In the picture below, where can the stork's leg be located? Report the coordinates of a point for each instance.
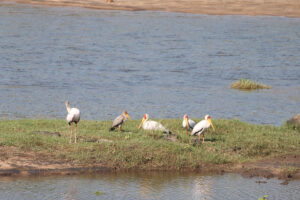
(119, 128)
(199, 137)
(75, 133)
(203, 139)
(71, 134)
(187, 131)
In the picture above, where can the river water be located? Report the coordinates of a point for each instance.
(146, 186)
(164, 64)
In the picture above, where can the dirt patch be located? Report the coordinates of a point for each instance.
(283, 167)
(290, 8)
(16, 163)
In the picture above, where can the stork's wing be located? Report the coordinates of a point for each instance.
(191, 123)
(117, 121)
(198, 132)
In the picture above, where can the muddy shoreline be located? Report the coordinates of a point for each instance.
(290, 8)
(32, 166)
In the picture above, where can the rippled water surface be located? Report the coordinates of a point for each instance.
(165, 64)
(146, 186)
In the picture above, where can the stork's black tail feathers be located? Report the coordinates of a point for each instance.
(111, 128)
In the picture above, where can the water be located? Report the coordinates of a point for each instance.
(164, 64)
(146, 186)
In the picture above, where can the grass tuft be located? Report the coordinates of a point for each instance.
(245, 84)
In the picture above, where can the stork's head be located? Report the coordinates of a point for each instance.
(145, 118)
(207, 117)
(185, 117)
(125, 114)
(67, 103)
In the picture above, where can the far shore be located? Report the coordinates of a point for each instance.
(288, 8)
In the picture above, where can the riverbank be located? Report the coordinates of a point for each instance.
(30, 147)
(290, 8)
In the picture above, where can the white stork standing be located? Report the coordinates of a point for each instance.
(73, 116)
(187, 123)
(201, 127)
(119, 120)
(152, 125)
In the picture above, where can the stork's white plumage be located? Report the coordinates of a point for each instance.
(73, 116)
(187, 123)
(152, 125)
(201, 127)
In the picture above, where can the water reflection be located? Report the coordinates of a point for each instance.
(202, 188)
(145, 185)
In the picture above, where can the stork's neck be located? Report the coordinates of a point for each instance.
(68, 107)
(124, 116)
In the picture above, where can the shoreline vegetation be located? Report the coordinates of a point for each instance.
(290, 8)
(41, 146)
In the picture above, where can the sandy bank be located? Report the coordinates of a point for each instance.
(289, 8)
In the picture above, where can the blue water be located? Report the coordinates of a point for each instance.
(164, 64)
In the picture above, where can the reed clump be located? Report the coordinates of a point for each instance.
(246, 84)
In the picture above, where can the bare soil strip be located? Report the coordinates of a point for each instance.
(288, 8)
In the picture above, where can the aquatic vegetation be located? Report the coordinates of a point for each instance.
(98, 193)
(245, 84)
(265, 197)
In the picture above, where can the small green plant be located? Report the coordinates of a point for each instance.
(245, 84)
(98, 193)
(265, 197)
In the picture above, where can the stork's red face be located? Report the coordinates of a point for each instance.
(143, 120)
(207, 117)
(185, 116)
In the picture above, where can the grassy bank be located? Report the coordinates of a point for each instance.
(232, 142)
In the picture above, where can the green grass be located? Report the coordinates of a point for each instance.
(232, 142)
(245, 84)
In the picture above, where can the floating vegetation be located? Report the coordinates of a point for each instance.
(245, 84)
(98, 193)
(265, 197)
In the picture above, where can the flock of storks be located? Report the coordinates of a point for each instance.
(196, 129)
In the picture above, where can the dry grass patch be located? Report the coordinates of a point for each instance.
(245, 84)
